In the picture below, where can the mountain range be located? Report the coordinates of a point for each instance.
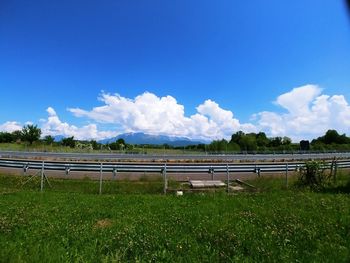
(143, 138)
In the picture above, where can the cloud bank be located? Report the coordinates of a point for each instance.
(309, 113)
(163, 115)
(10, 126)
(54, 126)
(302, 113)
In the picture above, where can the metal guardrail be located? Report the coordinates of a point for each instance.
(164, 169)
(223, 157)
(159, 167)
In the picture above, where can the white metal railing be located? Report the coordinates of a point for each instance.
(163, 168)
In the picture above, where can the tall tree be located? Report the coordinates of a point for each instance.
(248, 143)
(69, 141)
(276, 142)
(48, 139)
(286, 140)
(332, 137)
(16, 135)
(31, 133)
(262, 140)
(236, 137)
(6, 137)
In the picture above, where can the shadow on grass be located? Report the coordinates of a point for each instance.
(339, 189)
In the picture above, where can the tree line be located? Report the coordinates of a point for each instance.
(259, 142)
(239, 142)
(29, 133)
(32, 134)
(251, 142)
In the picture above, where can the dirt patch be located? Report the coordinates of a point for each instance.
(103, 223)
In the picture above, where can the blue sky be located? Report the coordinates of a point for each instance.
(221, 61)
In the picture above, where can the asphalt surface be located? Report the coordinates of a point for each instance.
(151, 157)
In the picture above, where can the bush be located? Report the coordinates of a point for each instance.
(313, 175)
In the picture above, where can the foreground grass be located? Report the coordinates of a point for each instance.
(80, 226)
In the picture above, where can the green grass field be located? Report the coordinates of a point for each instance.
(133, 222)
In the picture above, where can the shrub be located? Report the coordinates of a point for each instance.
(313, 175)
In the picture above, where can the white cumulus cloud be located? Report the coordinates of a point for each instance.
(54, 126)
(10, 126)
(309, 114)
(164, 115)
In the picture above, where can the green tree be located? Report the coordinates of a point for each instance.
(16, 136)
(331, 136)
(286, 140)
(262, 140)
(233, 147)
(95, 145)
(120, 144)
(31, 133)
(6, 137)
(49, 140)
(121, 141)
(275, 142)
(236, 137)
(69, 141)
(248, 143)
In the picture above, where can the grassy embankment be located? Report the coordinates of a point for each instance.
(39, 147)
(134, 222)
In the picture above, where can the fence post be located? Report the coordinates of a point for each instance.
(100, 191)
(42, 177)
(165, 179)
(287, 175)
(227, 178)
(212, 173)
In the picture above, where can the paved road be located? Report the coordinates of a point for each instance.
(150, 157)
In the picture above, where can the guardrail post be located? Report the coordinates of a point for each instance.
(42, 177)
(165, 179)
(25, 168)
(114, 172)
(212, 173)
(332, 168)
(100, 191)
(335, 170)
(227, 178)
(286, 175)
(257, 171)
